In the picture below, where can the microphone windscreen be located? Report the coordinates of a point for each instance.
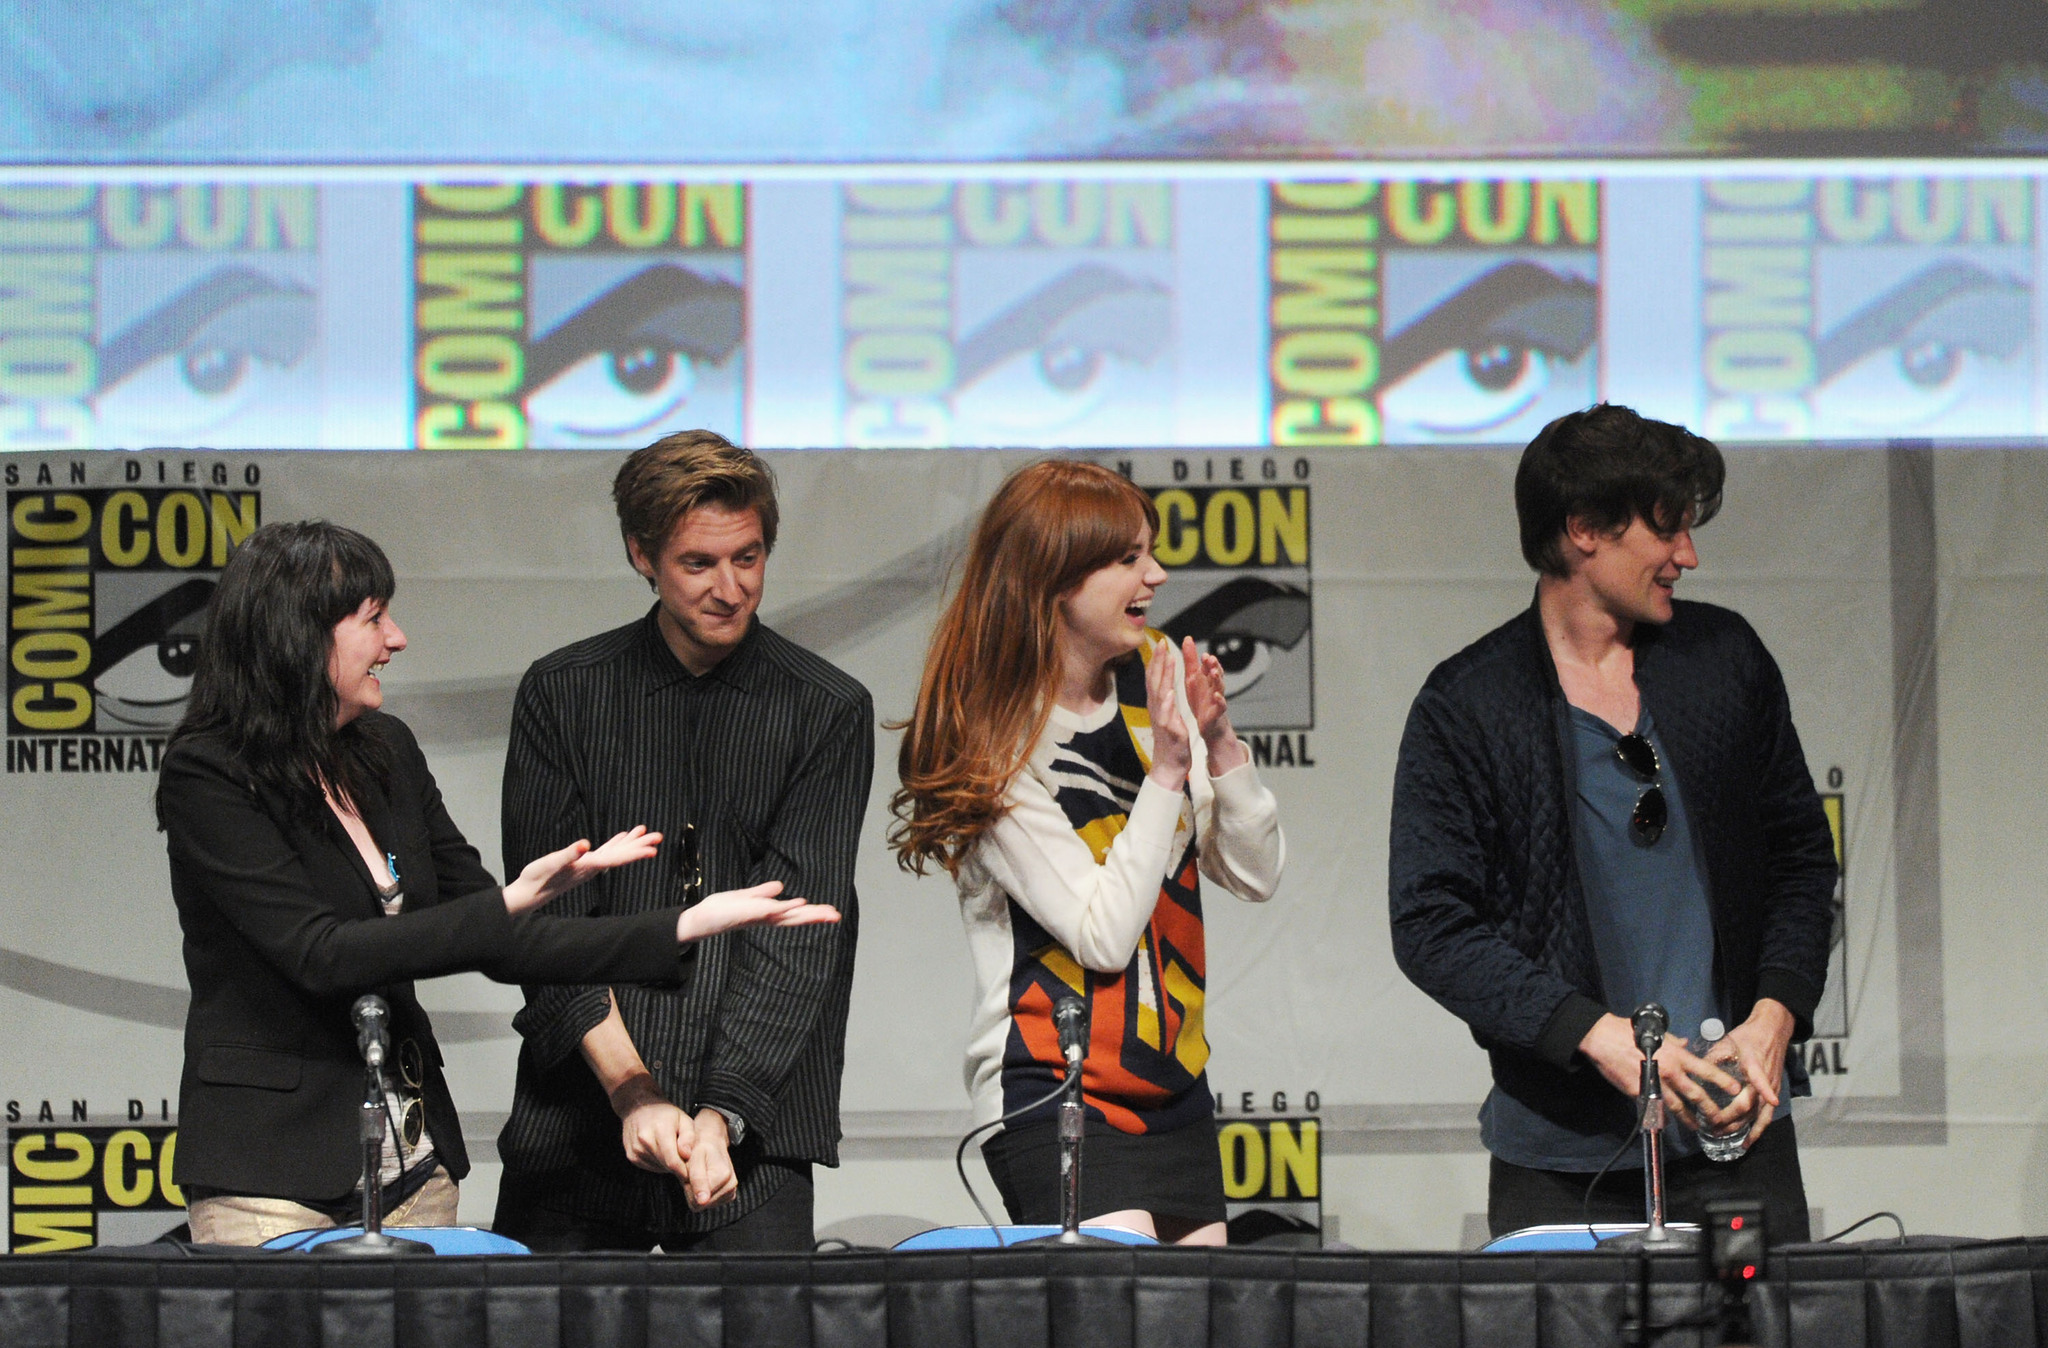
(1070, 1018)
(1650, 1021)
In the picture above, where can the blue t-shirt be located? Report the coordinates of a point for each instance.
(1653, 935)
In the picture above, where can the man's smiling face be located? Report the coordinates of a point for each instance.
(708, 576)
(1632, 574)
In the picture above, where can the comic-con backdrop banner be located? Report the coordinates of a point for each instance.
(1327, 582)
(837, 81)
(1090, 311)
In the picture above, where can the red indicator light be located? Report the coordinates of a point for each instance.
(1735, 1223)
(1748, 1271)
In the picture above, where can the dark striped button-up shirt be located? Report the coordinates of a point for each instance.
(769, 756)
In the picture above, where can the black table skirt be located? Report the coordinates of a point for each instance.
(1988, 1294)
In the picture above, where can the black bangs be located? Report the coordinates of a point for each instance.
(360, 571)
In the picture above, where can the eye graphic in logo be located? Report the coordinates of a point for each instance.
(1062, 350)
(1921, 348)
(1486, 352)
(630, 357)
(1242, 623)
(192, 363)
(143, 664)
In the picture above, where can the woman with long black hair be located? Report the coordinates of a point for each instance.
(312, 861)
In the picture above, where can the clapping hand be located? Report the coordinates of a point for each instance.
(1171, 756)
(1212, 714)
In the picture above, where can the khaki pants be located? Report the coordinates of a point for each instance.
(238, 1220)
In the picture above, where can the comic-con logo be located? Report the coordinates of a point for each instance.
(1841, 307)
(1272, 1180)
(66, 1184)
(1428, 312)
(1008, 313)
(1239, 556)
(108, 589)
(577, 316)
(138, 315)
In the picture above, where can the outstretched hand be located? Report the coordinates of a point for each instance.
(758, 905)
(555, 874)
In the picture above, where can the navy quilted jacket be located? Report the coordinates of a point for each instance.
(1488, 916)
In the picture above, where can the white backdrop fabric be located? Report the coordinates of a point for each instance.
(1902, 588)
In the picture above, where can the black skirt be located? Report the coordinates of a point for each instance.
(1176, 1174)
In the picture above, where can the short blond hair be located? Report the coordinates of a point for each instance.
(660, 484)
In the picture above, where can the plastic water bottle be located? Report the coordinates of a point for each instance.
(1733, 1139)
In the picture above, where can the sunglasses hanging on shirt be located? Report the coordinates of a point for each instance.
(689, 865)
(1646, 822)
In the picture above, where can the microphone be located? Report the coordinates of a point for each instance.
(1070, 1018)
(1650, 1021)
(373, 1017)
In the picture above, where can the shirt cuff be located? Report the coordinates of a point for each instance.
(737, 1099)
(554, 1022)
(1568, 1025)
(1796, 994)
(1240, 787)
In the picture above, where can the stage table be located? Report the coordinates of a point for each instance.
(1932, 1294)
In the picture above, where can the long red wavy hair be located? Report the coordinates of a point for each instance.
(994, 664)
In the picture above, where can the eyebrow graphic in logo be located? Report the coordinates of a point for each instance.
(1921, 348)
(1242, 622)
(629, 357)
(1483, 354)
(205, 353)
(1062, 349)
(142, 665)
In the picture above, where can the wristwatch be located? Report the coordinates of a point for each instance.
(735, 1126)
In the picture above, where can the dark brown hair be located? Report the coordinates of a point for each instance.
(1608, 466)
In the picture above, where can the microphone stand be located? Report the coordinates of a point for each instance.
(1640, 1328)
(1071, 1116)
(371, 1130)
(1655, 1235)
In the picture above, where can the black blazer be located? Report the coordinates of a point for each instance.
(283, 932)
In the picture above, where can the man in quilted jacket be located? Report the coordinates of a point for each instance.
(1603, 803)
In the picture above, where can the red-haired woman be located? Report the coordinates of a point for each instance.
(1074, 772)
